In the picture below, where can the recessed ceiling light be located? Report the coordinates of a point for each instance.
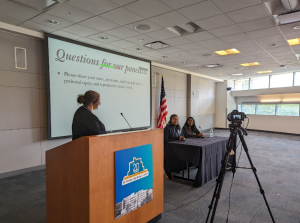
(143, 27)
(264, 72)
(240, 74)
(212, 65)
(103, 37)
(141, 40)
(227, 52)
(296, 27)
(250, 64)
(69, 13)
(164, 56)
(52, 21)
(293, 42)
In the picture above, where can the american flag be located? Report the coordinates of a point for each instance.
(163, 109)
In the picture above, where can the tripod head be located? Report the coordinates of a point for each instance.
(237, 126)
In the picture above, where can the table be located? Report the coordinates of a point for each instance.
(206, 152)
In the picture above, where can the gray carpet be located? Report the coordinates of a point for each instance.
(276, 157)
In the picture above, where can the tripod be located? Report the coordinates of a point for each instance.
(235, 128)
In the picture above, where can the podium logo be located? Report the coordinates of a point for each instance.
(136, 171)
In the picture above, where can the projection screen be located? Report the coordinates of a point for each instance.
(123, 82)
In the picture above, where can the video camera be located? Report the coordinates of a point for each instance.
(236, 117)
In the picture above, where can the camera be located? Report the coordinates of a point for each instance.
(235, 116)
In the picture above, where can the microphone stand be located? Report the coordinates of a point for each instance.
(126, 121)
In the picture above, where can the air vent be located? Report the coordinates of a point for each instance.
(185, 29)
(143, 27)
(156, 45)
(38, 4)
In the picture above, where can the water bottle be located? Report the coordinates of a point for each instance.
(211, 132)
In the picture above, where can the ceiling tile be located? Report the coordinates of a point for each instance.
(10, 19)
(257, 24)
(161, 34)
(288, 28)
(170, 50)
(200, 11)
(293, 35)
(133, 48)
(154, 53)
(36, 27)
(122, 32)
(200, 51)
(89, 41)
(63, 9)
(278, 43)
(110, 37)
(122, 43)
(250, 13)
(226, 31)
(99, 24)
(249, 49)
(169, 19)
(17, 10)
(270, 39)
(122, 2)
(154, 26)
(211, 42)
(219, 47)
(279, 49)
(181, 54)
(41, 19)
(197, 37)
(189, 46)
(121, 16)
(264, 32)
(214, 22)
(257, 53)
(146, 8)
(244, 43)
(176, 41)
(95, 7)
(176, 4)
(66, 34)
(231, 5)
(141, 39)
(80, 30)
(235, 38)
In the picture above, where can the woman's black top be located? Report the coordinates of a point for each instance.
(85, 123)
(171, 133)
(186, 132)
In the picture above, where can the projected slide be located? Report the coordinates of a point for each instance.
(122, 82)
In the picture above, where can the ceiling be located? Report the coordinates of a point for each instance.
(242, 24)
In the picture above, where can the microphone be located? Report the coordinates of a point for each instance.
(126, 121)
(200, 129)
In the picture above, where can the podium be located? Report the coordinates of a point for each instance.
(80, 178)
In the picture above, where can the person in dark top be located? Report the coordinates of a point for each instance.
(190, 130)
(172, 131)
(85, 123)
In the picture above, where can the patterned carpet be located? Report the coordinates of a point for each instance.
(276, 157)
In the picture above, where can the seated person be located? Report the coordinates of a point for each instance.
(190, 130)
(172, 131)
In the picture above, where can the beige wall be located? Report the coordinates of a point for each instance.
(23, 119)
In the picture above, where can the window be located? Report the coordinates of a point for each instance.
(259, 82)
(297, 79)
(288, 109)
(282, 80)
(241, 84)
(266, 109)
(249, 109)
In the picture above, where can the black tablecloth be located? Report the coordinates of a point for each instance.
(206, 152)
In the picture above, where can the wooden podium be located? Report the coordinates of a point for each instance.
(80, 179)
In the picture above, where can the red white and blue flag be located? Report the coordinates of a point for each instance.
(163, 108)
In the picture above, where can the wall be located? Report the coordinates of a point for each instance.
(287, 124)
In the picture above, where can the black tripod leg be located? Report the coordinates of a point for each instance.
(254, 171)
(218, 188)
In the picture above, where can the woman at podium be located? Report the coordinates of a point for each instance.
(85, 123)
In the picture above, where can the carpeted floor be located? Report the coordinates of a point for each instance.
(276, 157)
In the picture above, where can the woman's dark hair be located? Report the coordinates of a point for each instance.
(88, 97)
(187, 125)
(170, 122)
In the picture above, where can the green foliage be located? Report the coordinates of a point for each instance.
(288, 109)
(266, 109)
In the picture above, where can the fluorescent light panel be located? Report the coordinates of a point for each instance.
(293, 42)
(250, 64)
(227, 52)
(264, 72)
